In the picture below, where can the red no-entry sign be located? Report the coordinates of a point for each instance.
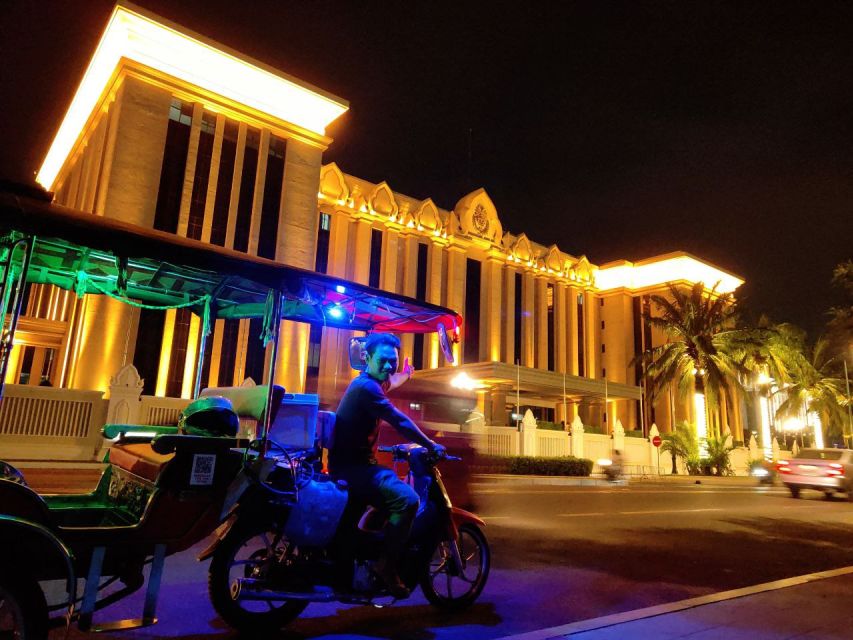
(656, 441)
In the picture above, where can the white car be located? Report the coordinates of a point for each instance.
(827, 470)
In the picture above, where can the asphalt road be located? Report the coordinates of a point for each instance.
(562, 554)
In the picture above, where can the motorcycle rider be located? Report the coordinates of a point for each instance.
(353, 454)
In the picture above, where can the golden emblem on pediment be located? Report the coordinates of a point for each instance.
(480, 219)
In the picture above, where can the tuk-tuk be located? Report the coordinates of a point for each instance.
(163, 490)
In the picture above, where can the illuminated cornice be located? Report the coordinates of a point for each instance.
(657, 271)
(136, 35)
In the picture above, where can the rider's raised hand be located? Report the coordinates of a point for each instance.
(438, 449)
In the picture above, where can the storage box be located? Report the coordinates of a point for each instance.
(296, 420)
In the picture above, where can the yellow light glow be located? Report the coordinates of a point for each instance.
(662, 269)
(142, 39)
(818, 429)
(701, 418)
(463, 381)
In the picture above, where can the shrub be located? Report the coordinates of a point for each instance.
(528, 465)
(549, 426)
(634, 433)
(591, 429)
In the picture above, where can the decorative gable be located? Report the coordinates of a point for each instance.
(478, 216)
(522, 251)
(382, 202)
(427, 216)
(554, 259)
(332, 183)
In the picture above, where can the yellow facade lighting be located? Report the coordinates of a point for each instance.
(658, 271)
(148, 40)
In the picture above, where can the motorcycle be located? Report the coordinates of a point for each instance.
(278, 551)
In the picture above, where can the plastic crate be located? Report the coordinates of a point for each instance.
(296, 421)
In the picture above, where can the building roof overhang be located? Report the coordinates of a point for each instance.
(133, 34)
(651, 273)
(539, 382)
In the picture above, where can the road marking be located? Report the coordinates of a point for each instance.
(650, 612)
(632, 513)
(580, 515)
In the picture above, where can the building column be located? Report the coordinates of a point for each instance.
(388, 275)
(434, 278)
(137, 157)
(213, 180)
(528, 310)
(490, 310)
(296, 245)
(508, 349)
(572, 331)
(560, 332)
(541, 317)
(258, 195)
(455, 290)
(333, 352)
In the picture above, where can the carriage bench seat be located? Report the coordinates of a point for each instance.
(139, 459)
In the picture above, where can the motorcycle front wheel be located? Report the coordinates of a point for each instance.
(453, 590)
(249, 552)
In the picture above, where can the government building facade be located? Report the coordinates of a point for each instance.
(171, 131)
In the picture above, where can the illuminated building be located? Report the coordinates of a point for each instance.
(173, 131)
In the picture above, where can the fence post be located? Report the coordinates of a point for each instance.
(125, 392)
(577, 437)
(528, 433)
(619, 437)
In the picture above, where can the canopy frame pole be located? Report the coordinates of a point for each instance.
(8, 337)
(275, 329)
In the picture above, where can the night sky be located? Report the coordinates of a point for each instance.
(615, 130)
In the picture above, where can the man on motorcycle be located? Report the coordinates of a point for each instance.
(352, 456)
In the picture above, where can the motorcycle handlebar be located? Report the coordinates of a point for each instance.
(402, 450)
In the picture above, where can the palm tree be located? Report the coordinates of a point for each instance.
(680, 443)
(815, 389)
(704, 349)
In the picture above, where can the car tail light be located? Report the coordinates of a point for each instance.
(783, 467)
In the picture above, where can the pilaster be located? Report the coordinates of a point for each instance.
(189, 170)
(258, 196)
(528, 311)
(590, 323)
(455, 291)
(490, 310)
(541, 317)
(572, 331)
(560, 327)
(508, 348)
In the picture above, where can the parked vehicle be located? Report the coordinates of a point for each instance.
(164, 489)
(279, 553)
(827, 470)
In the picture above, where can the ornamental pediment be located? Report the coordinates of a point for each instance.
(554, 259)
(478, 216)
(522, 250)
(332, 183)
(382, 202)
(427, 216)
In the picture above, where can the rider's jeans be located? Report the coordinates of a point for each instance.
(380, 487)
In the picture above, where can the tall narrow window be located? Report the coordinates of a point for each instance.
(581, 364)
(247, 190)
(255, 352)
(551, 335)
(321, 260)
(420, 294)
(145, 359)
(272, 198)
(228, 353)
(177, 360)
(222, 202)
(516, 356)
(375, 257)
(472, 311)
(202, 176)
(174, 165)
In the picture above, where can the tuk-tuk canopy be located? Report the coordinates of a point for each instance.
(90, 254)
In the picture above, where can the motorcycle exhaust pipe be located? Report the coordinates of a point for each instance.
(255, 590)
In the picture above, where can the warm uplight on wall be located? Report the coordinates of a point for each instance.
(142, 39)
(701, 420)
(463, 381)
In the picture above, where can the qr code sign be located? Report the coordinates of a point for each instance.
(203, 465)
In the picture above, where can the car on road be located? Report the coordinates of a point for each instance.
(827, 470)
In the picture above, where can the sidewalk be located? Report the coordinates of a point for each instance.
(814, 606)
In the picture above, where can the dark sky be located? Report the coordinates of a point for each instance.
(615, 130)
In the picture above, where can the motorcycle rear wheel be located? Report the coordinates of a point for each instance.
(453, 593)
(248, 552)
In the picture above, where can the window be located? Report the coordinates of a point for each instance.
(603, 349)
(420, 294)
(267, 235)
(602, 325)
(202, 176)
(247, 190)
(471, 334)
(375, 257)
(174, 165)
(222, 201)
(321, 260)
(146, 355)
(177, 359)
